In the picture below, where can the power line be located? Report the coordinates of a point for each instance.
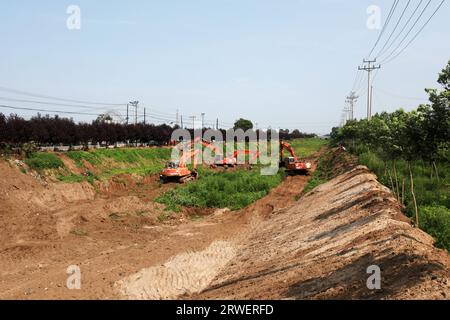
(46, 110)
(395, 28)
(52, 103)
(417, 34)
(409, 32)
(369, 67)
(391, 12)
(404, 27)
(352, 98)
(25, 93)
(65, 112)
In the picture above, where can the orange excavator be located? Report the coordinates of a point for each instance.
(219, 160)
(292, 164)
(177, 171)
(255, 155)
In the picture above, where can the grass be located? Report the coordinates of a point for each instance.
(308, 146)
(330, 164)
(234, 190)
(71, 178)
(112, 162)
(79, 156)
(436, 221)
(42, 160)
(432, 194)
(132, 155)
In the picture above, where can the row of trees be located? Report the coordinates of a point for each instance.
(422, 134)
(46, 130)
(285, 134)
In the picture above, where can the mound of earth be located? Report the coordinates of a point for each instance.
(323, 246)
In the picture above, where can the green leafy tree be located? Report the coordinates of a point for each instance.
(243, 124)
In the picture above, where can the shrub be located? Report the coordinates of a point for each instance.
(79, 156)
(436, 221)
(234, 190)
(41, 161)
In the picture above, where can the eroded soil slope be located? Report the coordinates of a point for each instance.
(321, 247)
(316, 248)
(112, 234)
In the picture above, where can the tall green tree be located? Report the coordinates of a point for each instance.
(243, 124)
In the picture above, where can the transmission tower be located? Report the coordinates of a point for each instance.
(352, 98)
(135, 105)
(369, 67)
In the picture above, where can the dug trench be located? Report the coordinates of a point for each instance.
(110, 230)
(286, 245)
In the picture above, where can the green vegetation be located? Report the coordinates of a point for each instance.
(233, 190)
(436, 220)
(71, 178)
(410, 153)
(243, 124)
(132, 156)
(79, 156)
(128, 156)
(330, 164)
(111, 162)
(306, 147)
(40, 161)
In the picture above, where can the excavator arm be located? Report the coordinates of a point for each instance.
(286, 146)
(293, 164)
(247, 152)
(188, 155)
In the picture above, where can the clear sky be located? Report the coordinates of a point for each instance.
(282, 63)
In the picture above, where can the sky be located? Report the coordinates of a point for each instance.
(284, 64)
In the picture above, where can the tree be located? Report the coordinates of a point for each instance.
(243, 124)
(105, 117)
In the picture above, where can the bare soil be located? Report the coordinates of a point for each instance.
(128, 248)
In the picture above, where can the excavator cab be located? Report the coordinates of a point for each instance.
(177, 171)
(289, 160)
(173, 164)
(292, 164)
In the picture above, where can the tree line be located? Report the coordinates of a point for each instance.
(419, 135)
(55, 130)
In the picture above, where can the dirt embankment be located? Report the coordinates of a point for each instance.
(316, 248)
(321, 248)
(113, 233)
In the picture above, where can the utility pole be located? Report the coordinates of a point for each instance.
(178, 118)
(352, 99)
(128, 106)
(369, 67)
(144, 114)
(203, 120)
(135, 105)
(217, 124)
(182, 126)
(193, 122)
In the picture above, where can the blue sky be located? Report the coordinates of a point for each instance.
(283, 63)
